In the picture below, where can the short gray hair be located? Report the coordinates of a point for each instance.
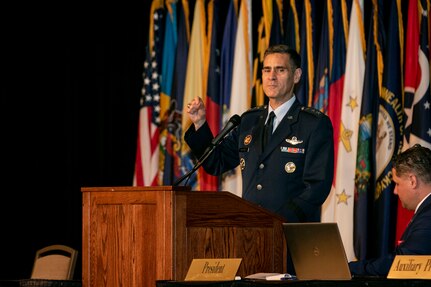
(295, 58)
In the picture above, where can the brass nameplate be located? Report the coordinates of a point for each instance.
(411, 267)
(213, 269)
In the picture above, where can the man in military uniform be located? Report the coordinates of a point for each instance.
(292, 174)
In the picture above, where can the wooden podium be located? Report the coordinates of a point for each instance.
(133, 236)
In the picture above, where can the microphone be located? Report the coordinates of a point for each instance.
(234, 121)
(230, 125)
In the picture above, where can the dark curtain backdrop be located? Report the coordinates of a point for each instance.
(70, 88)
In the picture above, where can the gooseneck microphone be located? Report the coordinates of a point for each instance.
(234, 121)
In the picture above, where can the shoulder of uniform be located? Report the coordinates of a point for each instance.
(313, 111)
(255, 109)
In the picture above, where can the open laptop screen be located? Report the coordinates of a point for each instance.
(317, 251)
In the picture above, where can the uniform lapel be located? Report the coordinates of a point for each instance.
(258, 131)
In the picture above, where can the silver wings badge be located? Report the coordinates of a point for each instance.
(294, 141)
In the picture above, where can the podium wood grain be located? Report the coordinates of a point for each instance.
(133, 236)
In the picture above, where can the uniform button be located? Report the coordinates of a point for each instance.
(259, 187)
(261, 166)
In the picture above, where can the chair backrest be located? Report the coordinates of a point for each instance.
(55, 262)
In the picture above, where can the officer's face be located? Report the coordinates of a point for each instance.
(278, 77)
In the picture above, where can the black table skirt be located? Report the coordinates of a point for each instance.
(40, 283)
(374, 282)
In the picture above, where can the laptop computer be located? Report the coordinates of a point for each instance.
(317, 251)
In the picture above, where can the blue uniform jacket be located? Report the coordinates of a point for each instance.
(416, 240)
(293, 176)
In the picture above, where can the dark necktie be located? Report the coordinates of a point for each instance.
(267, 131)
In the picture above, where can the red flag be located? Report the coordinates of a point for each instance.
(337, 70)
(213, 81)
(412, 81)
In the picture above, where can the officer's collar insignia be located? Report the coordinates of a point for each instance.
(294, 141)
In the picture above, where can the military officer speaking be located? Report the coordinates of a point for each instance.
(287, 170)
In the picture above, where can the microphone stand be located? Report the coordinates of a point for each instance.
(232, 123)
(197, 165)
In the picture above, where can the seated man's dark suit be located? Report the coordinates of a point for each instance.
(416, 240)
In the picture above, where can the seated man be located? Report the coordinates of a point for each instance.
(411, 173)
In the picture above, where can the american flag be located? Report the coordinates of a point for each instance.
(147, 153)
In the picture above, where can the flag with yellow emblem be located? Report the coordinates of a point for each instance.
(343, 195)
